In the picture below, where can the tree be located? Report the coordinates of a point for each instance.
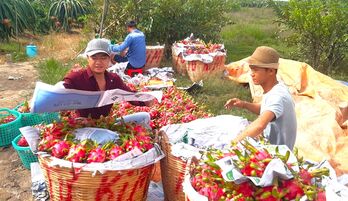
(15, 16)
(68, 11)
(319, 30)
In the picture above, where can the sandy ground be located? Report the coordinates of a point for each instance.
(15, 181)
(17, 82)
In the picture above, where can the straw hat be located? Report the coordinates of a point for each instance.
(264, 57)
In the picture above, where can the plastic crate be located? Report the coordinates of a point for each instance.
(24, 153)
(10, 130)
(31, 119)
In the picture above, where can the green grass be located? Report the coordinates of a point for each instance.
(16, 49)
(51, 71)
(250, 28)
(216, 91)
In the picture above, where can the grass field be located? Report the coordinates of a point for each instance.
(250, 28)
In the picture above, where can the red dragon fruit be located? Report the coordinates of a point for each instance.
(47, 143)
(22, 142)
(293, 188)
(97, 155)
(61, 149)
(305, 176)
(77, 153)
(145, 142)
(132, 144)
(321, 196)
(115, 152)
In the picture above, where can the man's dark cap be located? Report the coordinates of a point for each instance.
(131, 23)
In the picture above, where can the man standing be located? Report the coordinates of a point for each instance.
(135, 42)
(277, 118)
(95, 78)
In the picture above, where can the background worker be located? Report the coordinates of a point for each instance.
(136, 52)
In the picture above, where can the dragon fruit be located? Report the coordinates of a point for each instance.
(293, 188)
(47, 143)
(132, 144)
(305, 176)
(97, 155)
(142, 142)
(77, 153)
(22, 142)
(61, 149)
(115, 152)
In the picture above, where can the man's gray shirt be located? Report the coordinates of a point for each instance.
(282, 129)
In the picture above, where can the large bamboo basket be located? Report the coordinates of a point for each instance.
(189, 167)
(198, 70)
(179, 64)
(154, 55)
(72, 184)
(172, 172)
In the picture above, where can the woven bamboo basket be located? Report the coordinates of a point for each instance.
(179, 64)
(172, 172)
(154, 55)
(72, 184)
(198, 70)
(191, 163)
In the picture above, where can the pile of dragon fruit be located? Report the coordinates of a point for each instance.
(176, 107)
(197, 46)
(207, 177)
(58, 140)
(25, 108)
(7, 119)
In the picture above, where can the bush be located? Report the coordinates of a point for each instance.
(51, 71)
(15, 15)
(66, 12)
(42, 23)
(319, 30)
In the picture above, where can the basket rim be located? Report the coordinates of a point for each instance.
(14, 112)
(14, 144)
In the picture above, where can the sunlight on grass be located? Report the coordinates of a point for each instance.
(250, 28)
(216, 91)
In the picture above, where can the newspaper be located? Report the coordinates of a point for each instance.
(276, 168)
(150, 157)
(48, 98)
(99, 135)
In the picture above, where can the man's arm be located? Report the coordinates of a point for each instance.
(256, 127)
(252, 107)
(120, 48)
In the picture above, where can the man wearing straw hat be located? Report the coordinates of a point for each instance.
(95, 78)
(277, 119)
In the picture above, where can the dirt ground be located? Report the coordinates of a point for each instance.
(17, 83)
(15, 180)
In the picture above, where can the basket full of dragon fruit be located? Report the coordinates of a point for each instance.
(88, 159)
(248, 172)
(30, 119)
(10, 122)
(198, 59)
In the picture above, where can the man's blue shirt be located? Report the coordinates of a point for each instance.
(135, 41)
